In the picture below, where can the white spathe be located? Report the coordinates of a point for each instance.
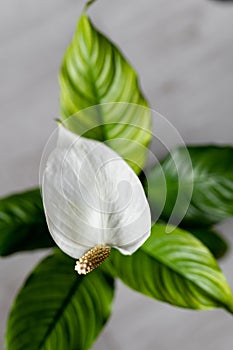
(91, 196)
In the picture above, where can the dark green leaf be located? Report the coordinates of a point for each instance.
(212, 240)
(22, 223)
(95, 73)
(175, 268)
(58, 309)
(212, 181)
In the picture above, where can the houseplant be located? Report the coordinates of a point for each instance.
(198, 154)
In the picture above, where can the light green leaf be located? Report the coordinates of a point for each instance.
(175, 268)
(58, 309)
(95, 73)
(212, 180)
(22, 223)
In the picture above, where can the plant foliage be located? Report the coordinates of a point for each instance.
(57, 309)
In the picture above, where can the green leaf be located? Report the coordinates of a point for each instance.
(212, 240)
(58, 309)
(89, 3)
(95, 73)
(212, 181)
(22, 223)
(175, 268)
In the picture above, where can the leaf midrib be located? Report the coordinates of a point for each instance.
(171, 268)
(169, 265)
(60, 312)
(96, 95)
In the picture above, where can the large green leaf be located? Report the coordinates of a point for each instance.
(22, 223)
(95, 73)
(58, 309)
(175, 268)
(211, 178)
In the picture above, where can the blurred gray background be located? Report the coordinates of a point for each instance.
(183, 52)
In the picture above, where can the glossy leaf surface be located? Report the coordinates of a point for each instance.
(175, 268)
(211, 178)
(95, 73)
(22, 223)
(58, 309)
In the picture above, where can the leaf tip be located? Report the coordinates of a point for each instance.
(88, 4)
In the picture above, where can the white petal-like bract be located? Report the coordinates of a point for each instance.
(91, 196)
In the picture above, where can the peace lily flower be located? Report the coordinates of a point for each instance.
(93, 201)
